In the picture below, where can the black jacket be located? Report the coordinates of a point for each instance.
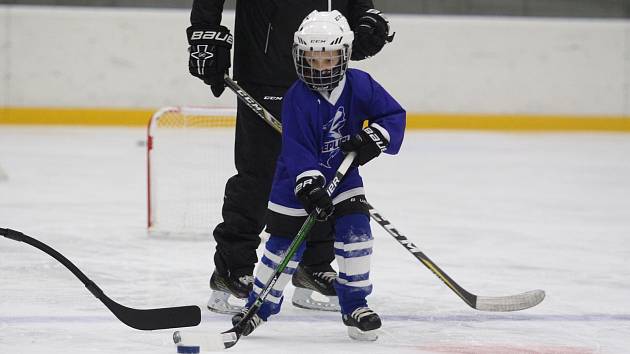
(263, 34)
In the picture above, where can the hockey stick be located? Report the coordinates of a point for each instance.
(148, 319)
(483, 303)
(230, 337)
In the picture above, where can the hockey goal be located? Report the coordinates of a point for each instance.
(189, 159)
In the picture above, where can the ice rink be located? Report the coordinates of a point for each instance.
(501, 213)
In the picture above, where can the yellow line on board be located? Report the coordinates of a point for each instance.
(491, 122)
(509, 122)
(75, 116)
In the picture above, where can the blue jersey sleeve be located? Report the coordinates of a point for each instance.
(387, 113)
(300, 138)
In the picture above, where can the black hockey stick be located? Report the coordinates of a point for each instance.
(230, 337)
(148, 319)
(253, 104)
(483, 303)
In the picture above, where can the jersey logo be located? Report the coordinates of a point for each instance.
(333, 136)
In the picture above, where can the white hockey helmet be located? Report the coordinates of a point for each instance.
(321, 49)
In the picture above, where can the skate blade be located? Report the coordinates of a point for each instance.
(364, 336)
(219, 303)
(303, 298)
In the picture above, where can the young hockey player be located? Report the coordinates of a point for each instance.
(263, 33)
(323, 117)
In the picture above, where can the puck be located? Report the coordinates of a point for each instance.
(188, 349)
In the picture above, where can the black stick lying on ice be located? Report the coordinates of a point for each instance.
(483, 303)
(148, 319)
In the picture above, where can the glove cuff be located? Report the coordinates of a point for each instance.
(307, 183)
(377, 18)
(384, 133)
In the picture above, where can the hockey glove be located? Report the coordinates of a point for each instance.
(311, 193)
(370, 35)
(209, 55)
(368, 144)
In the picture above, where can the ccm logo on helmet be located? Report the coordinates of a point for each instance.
(218, 36)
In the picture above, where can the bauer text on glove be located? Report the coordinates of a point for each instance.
(368, 144)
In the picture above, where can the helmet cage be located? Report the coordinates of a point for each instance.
(321, 79)
(321, 49)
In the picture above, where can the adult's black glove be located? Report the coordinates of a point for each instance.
(370, 35)
(368, 144)
(310, 191)
(210, 55)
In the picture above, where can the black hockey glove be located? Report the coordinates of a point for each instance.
(210, 55)
(370, 35)
(368, 144)
(311, 193)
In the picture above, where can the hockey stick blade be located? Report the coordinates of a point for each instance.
(142, 319)
(211, 342)
(232, 335)
(201, 340)
(510, 303)
(483, 303)
(157, 318)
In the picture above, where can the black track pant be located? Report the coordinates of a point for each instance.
(256, 149)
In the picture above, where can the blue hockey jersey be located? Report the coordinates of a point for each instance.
(313, 126)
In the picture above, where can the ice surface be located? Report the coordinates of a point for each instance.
(500, 213)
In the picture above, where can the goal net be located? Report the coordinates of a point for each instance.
(189, 159)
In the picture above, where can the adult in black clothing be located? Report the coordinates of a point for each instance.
(263, 66)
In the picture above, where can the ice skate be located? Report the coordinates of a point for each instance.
(362, 324)
(307, 282)
(251, 325)
(225, 288)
